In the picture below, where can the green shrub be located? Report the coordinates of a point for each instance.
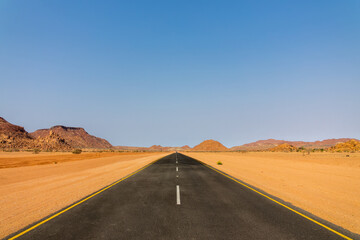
(219, 163)
(77, 151)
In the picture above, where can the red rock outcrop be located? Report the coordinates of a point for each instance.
(13, 136)
(74, 136)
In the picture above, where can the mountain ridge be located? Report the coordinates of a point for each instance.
(271, 143)
(55, 138)
(65, 138)
(76, 137)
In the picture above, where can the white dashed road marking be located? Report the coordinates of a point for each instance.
(177, 195)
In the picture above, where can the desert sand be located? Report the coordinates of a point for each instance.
(324, 184)
(21, 159)
(30, 193)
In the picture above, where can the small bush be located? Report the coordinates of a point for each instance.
(77, 151)
(36, 151)
(219, 163)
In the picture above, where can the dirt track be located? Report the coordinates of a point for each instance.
(30, 193)
(325, 184)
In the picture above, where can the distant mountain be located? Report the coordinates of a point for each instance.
(63, 138)
(130, 148)
(157, 148)
(285, 147)
(15, 137)
(210, 145)
(153, 148)
(57, 138)
(259, 145)
(160, 148)
(186, 147)
(76, 137)
(271, 143)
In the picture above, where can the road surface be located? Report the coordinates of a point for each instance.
(179, 198)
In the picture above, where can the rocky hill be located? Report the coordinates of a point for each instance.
(285, 147)
(210, 145)
(349, 146)
(58, 138)
(74, 136)
(52, 141)
(16, 137)
(271, 143)
(259, 145)
(13, 136)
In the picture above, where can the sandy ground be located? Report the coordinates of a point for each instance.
(324, 184)
(21, 159)
(30, 193)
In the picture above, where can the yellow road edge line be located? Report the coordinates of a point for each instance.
(289, 208)
(75, 204)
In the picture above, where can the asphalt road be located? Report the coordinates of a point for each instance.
(184, 200)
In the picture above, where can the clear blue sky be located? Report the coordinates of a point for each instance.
(178, 72)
